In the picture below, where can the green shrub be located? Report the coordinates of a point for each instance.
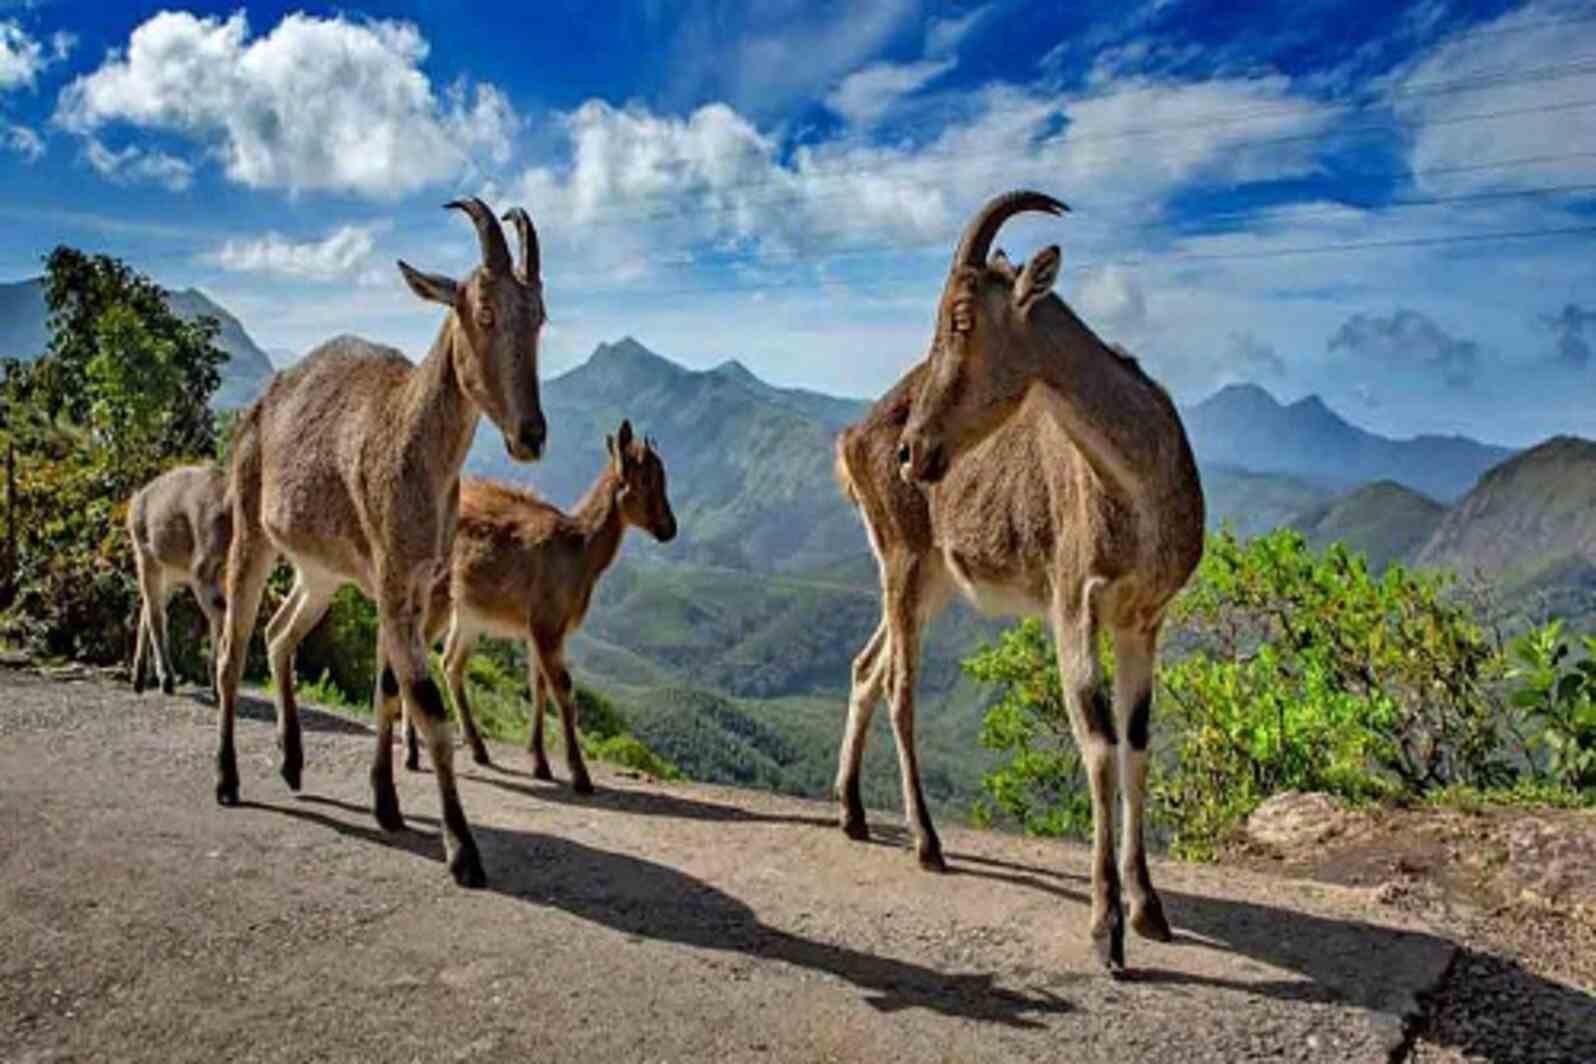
(1557, 699)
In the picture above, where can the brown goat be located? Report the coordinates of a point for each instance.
(349, 465)
(1112, 525)
(181, 524)
(522, 569)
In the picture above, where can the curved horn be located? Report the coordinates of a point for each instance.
(495, 252)
(531, 257)
(977, 238)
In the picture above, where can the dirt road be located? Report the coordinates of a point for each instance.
(657, 922)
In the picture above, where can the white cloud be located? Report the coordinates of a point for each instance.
(1111, 295)
(21, 56)
(865, 96)
(135, 165)
(22, 140)
(343, 253)
(762, 57)
(944, 35)
(315, 104)
(1540, 36)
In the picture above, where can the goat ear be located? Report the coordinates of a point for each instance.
(624, 440)
(609, 445)
(1000, 262)
(429, 286)
(1036, 280)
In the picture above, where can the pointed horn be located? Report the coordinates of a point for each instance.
(495, 252)
(531, 257)
(978, 235)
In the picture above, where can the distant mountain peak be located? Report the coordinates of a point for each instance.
(736, 371)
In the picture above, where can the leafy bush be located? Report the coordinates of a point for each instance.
(1042, 785)
(1291, 670)
(1557, 696)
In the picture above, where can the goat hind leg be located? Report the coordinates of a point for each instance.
(870, 668)
(1134, 655)
(1074, 634)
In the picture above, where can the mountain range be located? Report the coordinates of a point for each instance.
(730, 646)
(25, 334)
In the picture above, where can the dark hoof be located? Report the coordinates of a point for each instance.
(385, 807)
(931, 859)
(582, 785)
(1149, 922)
(226, 777)
(227, 792)
(1109, 946)
(540, 771)
(168, 686)
(138, 685)
(466, 868)
(855, 827)
(293, 766)
(413, 761)
(479, 754)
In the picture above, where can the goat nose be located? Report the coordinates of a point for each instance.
(904, 454)
(532, 434)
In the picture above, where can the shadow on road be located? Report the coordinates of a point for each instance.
(654, 901)
(310, 718)
(643, 803)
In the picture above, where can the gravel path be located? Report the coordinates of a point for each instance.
(662, 922)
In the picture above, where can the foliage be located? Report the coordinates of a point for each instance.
(1041, 784)
(1288, 669)
(1558, 696)
(120, 396)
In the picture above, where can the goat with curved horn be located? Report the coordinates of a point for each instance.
(983, 228)
(495, 252)
(531, 269)
(1058, 481)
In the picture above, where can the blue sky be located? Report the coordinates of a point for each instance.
(1391, 206)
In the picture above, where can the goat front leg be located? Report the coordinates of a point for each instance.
(540, 709)
(907, 615)
(551, 662)
(249, 562)
(405, 676)
(1091, 719)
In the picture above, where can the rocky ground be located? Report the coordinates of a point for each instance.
(1514, 888)
(138, 921)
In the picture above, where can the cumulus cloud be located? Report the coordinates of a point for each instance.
(1249, 358)
(866, 96)
(1539, 36)
(1407, 341)
(135, 165)
(1573, 349)
(317, 103)
(341, 254)
(22, 140)
(1111, 297)
(23, 57)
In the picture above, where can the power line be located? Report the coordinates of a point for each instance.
(1270, 253)
(939, 160)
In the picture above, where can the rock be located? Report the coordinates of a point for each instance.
(1297, 818)
(1553, 863)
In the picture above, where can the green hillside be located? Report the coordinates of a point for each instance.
(1384, 520)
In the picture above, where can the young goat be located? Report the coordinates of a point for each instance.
(349, 466)
(522, 569)
(181, 524)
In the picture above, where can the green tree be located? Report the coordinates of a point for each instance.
(1557, 695)
(120, 395)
